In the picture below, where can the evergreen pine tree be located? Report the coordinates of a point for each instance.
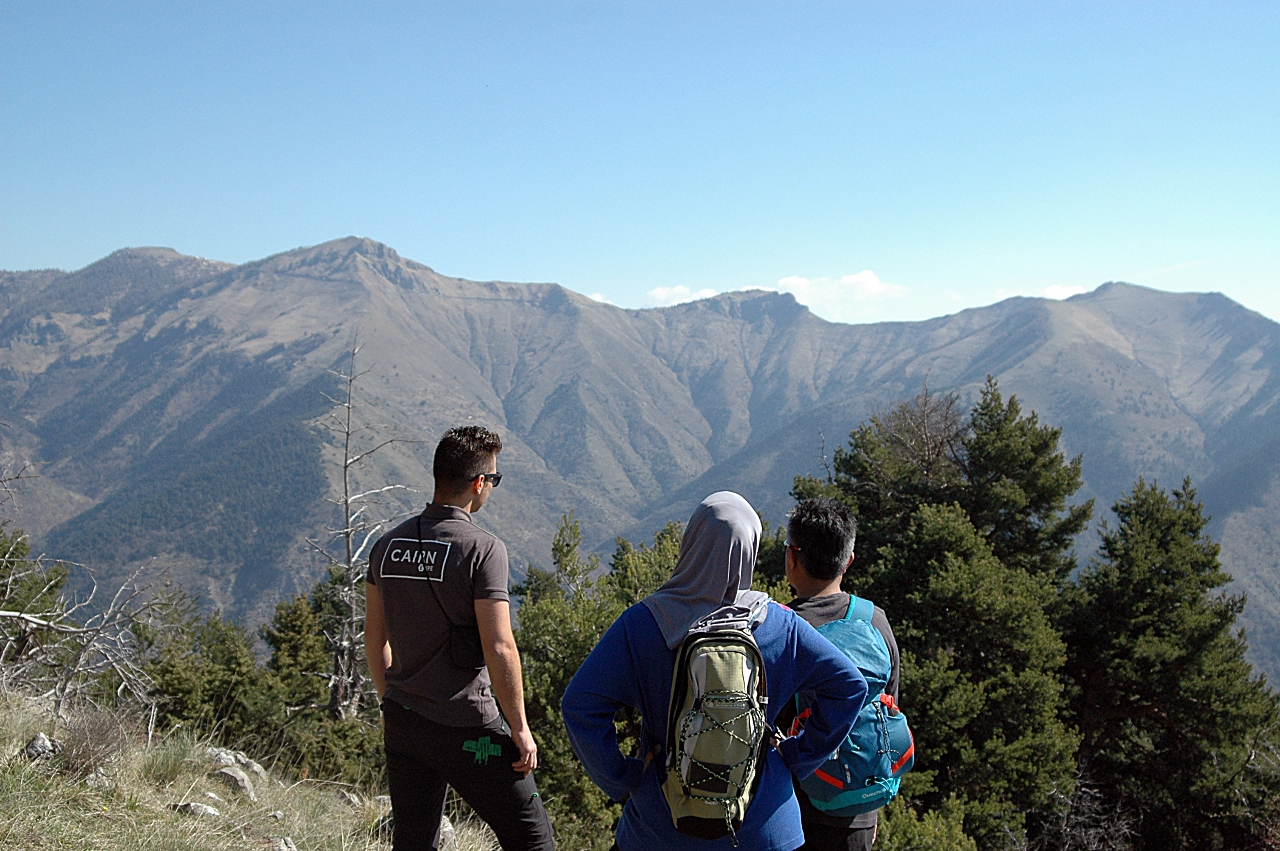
(204, 671)
(299, 660)
(980, 662)
(1017, 483)
(964, 538)
(1005, 469)
(1174, 722)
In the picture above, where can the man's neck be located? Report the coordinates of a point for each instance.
(808, 587)
(462, 500)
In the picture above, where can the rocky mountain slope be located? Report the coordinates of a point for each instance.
(169, 404)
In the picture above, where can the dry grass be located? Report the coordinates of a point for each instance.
(93, 741)
(64, 803)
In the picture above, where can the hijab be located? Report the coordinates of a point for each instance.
(717, 556)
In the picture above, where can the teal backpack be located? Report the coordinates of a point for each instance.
(865, 773)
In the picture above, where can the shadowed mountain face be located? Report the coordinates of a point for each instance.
(170, 404)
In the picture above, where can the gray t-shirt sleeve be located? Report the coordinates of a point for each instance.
(375, 558)
(489, 581)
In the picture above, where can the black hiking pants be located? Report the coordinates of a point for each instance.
(425, 758)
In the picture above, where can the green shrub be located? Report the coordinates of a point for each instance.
(903, 829)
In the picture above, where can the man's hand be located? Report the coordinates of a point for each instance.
(528, 751)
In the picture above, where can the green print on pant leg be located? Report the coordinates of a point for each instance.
(483, 749)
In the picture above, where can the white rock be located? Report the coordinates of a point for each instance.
(40, 747)
(98, 780)
(252, 767)
(221, 756)
(234, 777)
(281, 843)
(193, 809)
(277, 815)
(213, 797)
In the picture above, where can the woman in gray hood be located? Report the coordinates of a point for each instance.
(633, 665)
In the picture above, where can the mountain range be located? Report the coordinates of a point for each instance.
(169, 405)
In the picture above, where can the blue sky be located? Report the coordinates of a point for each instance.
(882, 161)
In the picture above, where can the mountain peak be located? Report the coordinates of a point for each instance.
(155, 252)
(337, 250)
(361, 245)
(151, 256)
(1122, 296)
(750, 305)
(343, 257)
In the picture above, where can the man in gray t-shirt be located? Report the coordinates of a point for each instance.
(820, 536)
(440, 648)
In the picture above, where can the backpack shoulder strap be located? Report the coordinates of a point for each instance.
(860, 609)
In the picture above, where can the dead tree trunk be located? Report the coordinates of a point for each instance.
(344, 596)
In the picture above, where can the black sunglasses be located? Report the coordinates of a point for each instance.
(494, 479)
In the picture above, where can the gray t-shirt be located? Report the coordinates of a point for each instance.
(429, 571)
(817, 611)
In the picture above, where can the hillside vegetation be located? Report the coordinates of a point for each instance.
(107, 787)
(1055, 705)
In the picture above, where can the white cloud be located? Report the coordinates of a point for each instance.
(849, 298)
(1060, 292)
(600, 298)
(667, 296)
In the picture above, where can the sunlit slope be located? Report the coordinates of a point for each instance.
(170, 403)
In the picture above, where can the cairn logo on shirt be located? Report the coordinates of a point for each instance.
(409, 558)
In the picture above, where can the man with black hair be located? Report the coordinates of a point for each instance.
(820, 536)
(440, 648)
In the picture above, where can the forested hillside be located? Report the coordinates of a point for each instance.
(1053, 705)
(168, 405)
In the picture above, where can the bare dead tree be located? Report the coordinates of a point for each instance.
(1257, 788)
(925, 432)
(1083, 819)
(58, 646)
(344, 632)
(61, 648)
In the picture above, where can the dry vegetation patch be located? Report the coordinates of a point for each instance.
(107, 788)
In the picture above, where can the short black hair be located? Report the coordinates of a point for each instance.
(462, 454)
(823, 530)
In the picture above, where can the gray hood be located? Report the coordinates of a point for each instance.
(717, 557)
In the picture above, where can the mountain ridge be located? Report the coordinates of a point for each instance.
(156, 366)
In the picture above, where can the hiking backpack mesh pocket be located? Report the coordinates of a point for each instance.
(715, 731)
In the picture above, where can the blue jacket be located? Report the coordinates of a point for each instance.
(631, 666)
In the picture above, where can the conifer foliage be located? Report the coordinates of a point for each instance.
(964, 533)
(1173, 719)
(563, 614)
(1032, 691)
(980, 675)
